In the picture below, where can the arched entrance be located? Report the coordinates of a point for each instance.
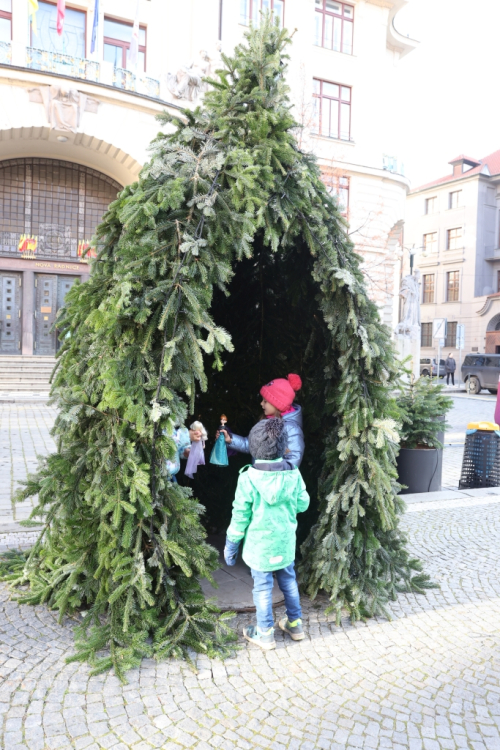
(270, 298)
(49, 210)
(492, 345)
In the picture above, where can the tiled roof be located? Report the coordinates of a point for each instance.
(492, 162)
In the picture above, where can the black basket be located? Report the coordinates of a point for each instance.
(481, 463)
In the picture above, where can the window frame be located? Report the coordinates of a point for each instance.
(249, 17)
(426, 335)
(340, 101)
(451, 335)
(126, 45)
(324, 13)
(449, 238)
(8, 17)
(430, 291)
(425, 243)
(453, 287)
(68, 7)
(427, 203)
(450, 203)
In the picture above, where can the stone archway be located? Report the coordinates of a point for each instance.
(492, 345)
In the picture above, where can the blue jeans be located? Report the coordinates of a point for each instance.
(263, 599)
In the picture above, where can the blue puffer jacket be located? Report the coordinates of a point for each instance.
(294, 434)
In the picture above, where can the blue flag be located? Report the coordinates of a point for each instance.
(94, 27)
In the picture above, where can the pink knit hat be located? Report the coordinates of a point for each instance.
(281, 392)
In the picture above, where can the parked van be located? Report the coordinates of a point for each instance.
(481, 371)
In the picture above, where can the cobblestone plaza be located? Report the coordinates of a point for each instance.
(429, 678)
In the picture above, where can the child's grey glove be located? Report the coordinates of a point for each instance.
(231, 552)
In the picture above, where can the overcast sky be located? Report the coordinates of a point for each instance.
(448, 86)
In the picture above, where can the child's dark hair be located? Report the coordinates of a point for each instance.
(267, 439)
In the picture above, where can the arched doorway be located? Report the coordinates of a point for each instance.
(49, 210)
(492, 345)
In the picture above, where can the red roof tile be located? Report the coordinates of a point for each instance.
(492, 162)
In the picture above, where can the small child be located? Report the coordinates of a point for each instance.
(278, 401)
(268, 497)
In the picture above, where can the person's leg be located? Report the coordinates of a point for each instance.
(453, 378)
(262, 634)
(263, 598)
(447, 378)
(292, 622)
(287, 582)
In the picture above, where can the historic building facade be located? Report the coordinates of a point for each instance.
(77, 112)
(453, 223)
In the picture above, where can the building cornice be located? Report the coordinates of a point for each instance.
(105, 91)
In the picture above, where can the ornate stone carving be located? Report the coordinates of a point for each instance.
(188, 82)
(63, 107)
(410, 292)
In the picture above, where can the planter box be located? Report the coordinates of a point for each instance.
(420, 469)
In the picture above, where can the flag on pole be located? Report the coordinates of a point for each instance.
(32, 9)
(61, 10)
(93, 42)
(134, 44)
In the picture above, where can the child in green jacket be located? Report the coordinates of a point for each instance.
(268, 497)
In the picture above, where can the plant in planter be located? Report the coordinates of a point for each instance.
(423, 410)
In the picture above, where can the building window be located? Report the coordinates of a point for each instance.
(331, 110)
(66, 202)
(428, 288)
(498, 281)
(72, 40)
(451, 335)
(426, 334)
(5, 20)
(334, 26)
(452, 286)
(454, 238)
(250, 10)
(339, 188)
(431, 205)
(117, 39)
(431, 243)
(455, 198)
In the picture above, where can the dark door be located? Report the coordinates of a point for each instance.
(64, 284)
(45, 314)
(10, 313)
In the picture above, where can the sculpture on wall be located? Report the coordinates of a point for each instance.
(188, 82)
(408, 329)
(410, 320)
(64, 107)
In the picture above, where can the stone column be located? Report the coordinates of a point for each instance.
(28, 290)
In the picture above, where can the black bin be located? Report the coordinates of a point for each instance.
(481, 462)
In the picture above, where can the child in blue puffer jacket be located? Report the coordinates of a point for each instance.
(277, 401)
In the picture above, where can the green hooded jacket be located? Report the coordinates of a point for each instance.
(265, 511)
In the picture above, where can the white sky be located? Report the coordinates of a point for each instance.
(447, 87)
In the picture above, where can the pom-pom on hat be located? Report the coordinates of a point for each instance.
(281, 392)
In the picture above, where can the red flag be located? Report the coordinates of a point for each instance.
(61, 10)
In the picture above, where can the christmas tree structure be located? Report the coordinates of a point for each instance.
(227, 203)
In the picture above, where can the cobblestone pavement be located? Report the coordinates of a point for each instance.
(426, 680)
(24, 433)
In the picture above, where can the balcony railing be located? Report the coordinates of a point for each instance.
(55, 62)
(41, 247)
(5, 53)
(126, 80)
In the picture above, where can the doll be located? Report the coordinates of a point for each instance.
(196, 454)
(219, 451)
